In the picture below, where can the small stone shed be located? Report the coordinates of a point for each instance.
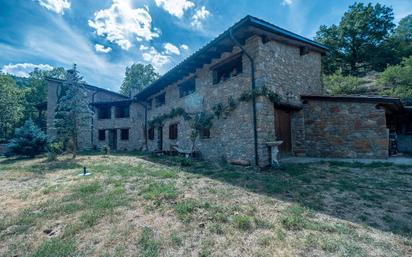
(346, 126)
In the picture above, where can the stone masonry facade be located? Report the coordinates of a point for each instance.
(318, 128)
(88, 138)
(344, 129)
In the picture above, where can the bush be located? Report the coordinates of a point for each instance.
(105, 149)
(54, 149)
(398, 79)
(340, 84)
(29, 141)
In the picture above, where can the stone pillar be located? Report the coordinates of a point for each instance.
(298, 133)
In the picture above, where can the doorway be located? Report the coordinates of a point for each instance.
(160, 139)
(283, 131)
(113, 139)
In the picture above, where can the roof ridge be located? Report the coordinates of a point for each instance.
(95, 87)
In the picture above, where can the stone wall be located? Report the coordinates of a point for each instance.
(231, 137)
(135, 124)
(345, 130)
(282, 69)
(278, 67)
(86, 138)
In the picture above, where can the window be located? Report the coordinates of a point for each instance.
(150, 134)
(160, 100)
(122, 111)
(104, 112)
(227, 69)
(102, 134)
(188, 87)
(149, 104)
(204, 133)
(124, 134)
(173, 131)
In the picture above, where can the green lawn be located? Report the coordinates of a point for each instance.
(139, 205)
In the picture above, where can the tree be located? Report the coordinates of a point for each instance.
(73, 113)
(137, 77)
(36, 92)
(401, 40)
(10, 105)
(358, 43)
(29, 140)
(398, 79)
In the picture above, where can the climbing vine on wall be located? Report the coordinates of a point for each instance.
(224, 110)
(175, 112)
(219, 110)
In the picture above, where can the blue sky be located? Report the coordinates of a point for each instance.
(103, 37)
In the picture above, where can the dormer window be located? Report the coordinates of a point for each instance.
(160, 100)
(188, 87)
(227, 69)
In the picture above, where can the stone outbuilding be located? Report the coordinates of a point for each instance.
(253, 84)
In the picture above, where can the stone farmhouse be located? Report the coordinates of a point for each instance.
(255, 83)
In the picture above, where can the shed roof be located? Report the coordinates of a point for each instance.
(242, 30)
(354, 98)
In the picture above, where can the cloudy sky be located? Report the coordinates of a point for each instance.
(103, 37)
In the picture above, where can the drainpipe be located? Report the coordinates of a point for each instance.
(252, 66)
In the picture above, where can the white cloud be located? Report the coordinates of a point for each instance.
(121, 22)
(171, 49)
(56, 6)
(287, 2)
(175, 7)
(23, 69)
(199, 16)
(184, 47)
(102, 49)
(156, 58)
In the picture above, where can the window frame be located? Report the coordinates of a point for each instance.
(121, 113)
(187, 87)
(203, 135)
(122, 135)
(160, 103)
(173, 131)
(100, 133)
(224, 70)
(105, 117)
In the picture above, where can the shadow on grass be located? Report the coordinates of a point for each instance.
(377, 195)
(44, 167)
(13, 160)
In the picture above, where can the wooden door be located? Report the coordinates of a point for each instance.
(283, 130)
(113, 139)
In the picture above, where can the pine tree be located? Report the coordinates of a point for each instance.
(29, 140)
(73, 113)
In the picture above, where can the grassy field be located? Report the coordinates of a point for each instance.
(137, 205)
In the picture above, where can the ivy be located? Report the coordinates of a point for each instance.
(260, 91)
(204, 120)
(224, 110)
(175, 112)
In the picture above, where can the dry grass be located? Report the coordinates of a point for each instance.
(137, 205)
